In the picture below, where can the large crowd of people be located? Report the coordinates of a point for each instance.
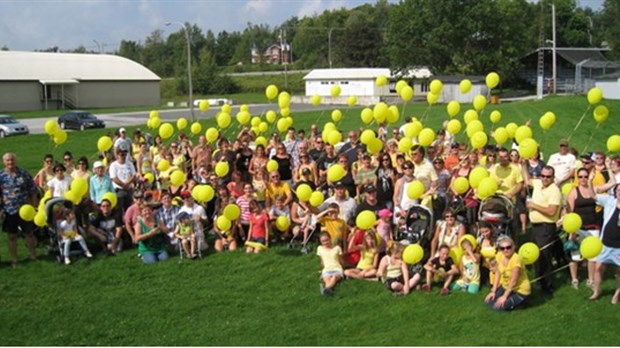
(159, 215)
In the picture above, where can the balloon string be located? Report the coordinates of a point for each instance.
(591, 136)
(579, 123)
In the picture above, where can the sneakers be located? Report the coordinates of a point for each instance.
(305, 250)
(590, 284)
(89, 255)
(426, 288)
(67, 261)
(575, 284)
(444, 292)
(322, 289)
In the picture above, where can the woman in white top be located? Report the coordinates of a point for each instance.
(448, 231)
(402, 202)
(60, 183)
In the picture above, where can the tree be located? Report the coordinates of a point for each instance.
(155, 54)
(131, 50)
(610, 26)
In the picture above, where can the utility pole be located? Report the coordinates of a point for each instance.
(329, 49)
(555, 76)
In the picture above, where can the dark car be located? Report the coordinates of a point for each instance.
(79, 120)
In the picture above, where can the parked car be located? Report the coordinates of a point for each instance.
(10, 126)
(79, 120)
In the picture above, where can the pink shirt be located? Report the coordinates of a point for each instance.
(258, 225)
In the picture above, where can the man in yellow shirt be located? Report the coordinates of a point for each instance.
(508, 176)
(544, 211)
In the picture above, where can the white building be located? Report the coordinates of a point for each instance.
(40, 81)
(610, 85)
(451, 88)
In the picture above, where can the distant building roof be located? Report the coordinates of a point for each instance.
(69, 67)
(459, 78)
(611, 77)
(589, 57)
(347, 74)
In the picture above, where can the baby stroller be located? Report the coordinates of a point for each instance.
(499, 211)
(54, 209)
(418, 228)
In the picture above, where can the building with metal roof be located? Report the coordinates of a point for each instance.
(610, 85)
(41, 81)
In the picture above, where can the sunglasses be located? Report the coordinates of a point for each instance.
(546, 176)
(275, 176)
(406, 168)
(506, 247)
(67, 158)
(386, 159)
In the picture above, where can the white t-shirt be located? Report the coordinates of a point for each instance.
(59, 187)
(121, 171)
(562, 164)
(123, 144)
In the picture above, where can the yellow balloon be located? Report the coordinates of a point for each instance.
(479, 140)
(393, 114)
(471, 239)
(487, 187)
(613, 143)
(492, 80)
(166, 130)
(223, 120)
(601, 113)
(455, 254)
(243, 117)
(474, 127)
(272, 166)
(380, 112)
(453, 108)
(154, 114)
(285, 112)
(255, 121)
(27, 212)
(367, 136)
(595, 95)
(412, 129)
(271, 92)
(571, 223)
(528, 148)
(315, 100)
(545, 122)
(465, 86)
(495, 116)
(406, 93)
(282, 125)
(336, 115)
(413, 254)
(79, 186)
(365, 220)
(436, 86)
(177, 178)
(399, 85)
(263, 126)
(60, 137)
(270, 116)
(284, 100)
(335, 172)
(73, 197)
(529, 253)
(381, 81)
(221, 169)
(195, 128)
(454, 126)
(104, 143)
(404, 145)
(523, 132)
(329, 126)
(149, 177)
(590, 247)
(244, 108)
(461, 185)
(203, 106)
(212, 134)
(415, 189)
(232, 212)
(476, 176)
(155, 122)
(261, 141)
(181, 123)
(111, 196)
(282, 223)
(500, 135)
(163, 165)
(51, 127)
(479, 102)
(335, 90)
(352, 101)
(222, 223)
(432, 98)
(426, 137)
(511, 128)
(566, 188)
(40, 219)
(316, 198)
(366, 115)
(303, 192)
(375, 146)
(470, 115)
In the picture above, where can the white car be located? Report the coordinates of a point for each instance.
(10, 126)
(214, 101)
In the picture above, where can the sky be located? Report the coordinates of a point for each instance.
(28, 25)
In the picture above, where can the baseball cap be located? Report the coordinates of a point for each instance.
(563, 142)
(305, 171)
(138, 194)
(383, 213)
(370, 188)
(122, 130)
(98, 164)
(338, 184)
(185, 194)
(183, 215)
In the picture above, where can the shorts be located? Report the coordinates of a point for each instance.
(13, 223)
(332, 273)
(388, 282)
(609, 256)
(258, 240)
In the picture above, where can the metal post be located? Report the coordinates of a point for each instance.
(329, 49)
(555, 76)
(189, 67)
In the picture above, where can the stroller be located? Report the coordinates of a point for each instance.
(418, 228)
(499, 211)
(54, 209)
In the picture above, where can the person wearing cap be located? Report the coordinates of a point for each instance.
(123, 173)
(370, 201)
(122, 143)
(60, 183)
(563, 163)
(346, 203)
(133, 212)
(198, 214)
(184, 232)
(99, 183)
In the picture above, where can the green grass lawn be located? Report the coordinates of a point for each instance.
(273, 298)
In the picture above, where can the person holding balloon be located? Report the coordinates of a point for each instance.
(99, 183)
(469, 267)
(440, 268)
(59, 185)
(17, 189)
(395, 273)
(511, 285)
(610, 238)
(487, 245)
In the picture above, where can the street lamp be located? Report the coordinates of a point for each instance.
(189, 67)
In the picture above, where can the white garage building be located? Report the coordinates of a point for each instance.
(610, 85)
(40, 81)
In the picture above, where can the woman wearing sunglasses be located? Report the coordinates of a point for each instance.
(511, 286)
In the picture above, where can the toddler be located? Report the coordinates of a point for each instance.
(69, 233)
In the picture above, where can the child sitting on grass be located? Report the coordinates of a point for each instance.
(331, 261)
(367, 266)
(440, 268)
(395, 273)
(184, 232)
(258, 230)
(469, 268)
(69, 233)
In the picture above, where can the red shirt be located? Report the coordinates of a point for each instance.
(353, 256)
(258, 225)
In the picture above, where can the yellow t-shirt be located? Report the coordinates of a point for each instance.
(273, 191)
(335, 227)
(523, 283)
(367, 259)
(510, 177)
(545, 197)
